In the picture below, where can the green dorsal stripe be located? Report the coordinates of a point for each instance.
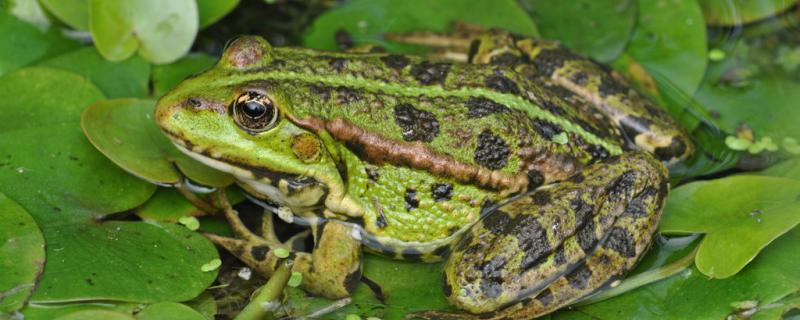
(509, 100)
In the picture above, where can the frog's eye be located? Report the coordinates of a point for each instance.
(255, 112)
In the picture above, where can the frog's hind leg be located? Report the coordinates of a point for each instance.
(549, 248)
(332, 269)
(644, 125)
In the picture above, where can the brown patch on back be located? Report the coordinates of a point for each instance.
(554, 167)
(379, 150)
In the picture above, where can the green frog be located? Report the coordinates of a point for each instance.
(537, 173)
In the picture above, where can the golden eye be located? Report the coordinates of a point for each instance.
(255, 112)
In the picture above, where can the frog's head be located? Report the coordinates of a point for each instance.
(228, 119)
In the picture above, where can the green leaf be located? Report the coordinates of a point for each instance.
(53, 311)
(367, 20)
(24, 44)
(127, 78)
(169, 310)
(748, 212)
(21, 255)
(205, 304)
(167, 76)
(96, 315)
(774, 274)
(670, 40)
(212, 10)
(738, 12)
(162, 31)
(601, 28)
(169, 205)
(74, 13)
(124, 130)
(48, 167)
(788, 168)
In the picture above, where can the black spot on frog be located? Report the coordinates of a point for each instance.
(441, 191)
(498, 82)
(412, 202)
(492, 151)
(395, 61)
(430, 73)
(480, 107)
(579, 277)
(417, 125)
(621, 240)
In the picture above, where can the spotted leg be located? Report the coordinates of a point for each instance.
(331, 270)
(552, 247)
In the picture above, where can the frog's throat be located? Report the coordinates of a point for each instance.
(347, 80)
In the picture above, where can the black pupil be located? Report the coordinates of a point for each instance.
(254, 110)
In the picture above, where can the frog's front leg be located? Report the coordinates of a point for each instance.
(331, 270)
(551, 247)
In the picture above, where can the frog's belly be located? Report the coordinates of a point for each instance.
(430, 251)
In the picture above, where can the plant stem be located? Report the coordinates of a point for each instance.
(270, 292)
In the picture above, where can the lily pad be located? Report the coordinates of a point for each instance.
(169, 205)
(599, 29)
(50, 169)
(748, 212)
(55, 310)
(167, 76)
(21, 255)
(96, 314)
(670, 40)
(162, 31)
(210, 11)
(127, 78)
(124, 130)
(738, 12)
(169, 310)
(366, 20)
(788, 168)
(75, 13)
(24, 44)
(774, 274)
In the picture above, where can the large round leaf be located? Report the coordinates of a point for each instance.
(74, 13)
(127, 78)
(24, 44)
(50, 168)
(670, 40)
(773, 275)
(21, 255)
(124, 130)
(598, 29)
(367, 20)
(169, 310)
(740, 215)
(737, 12)
(162, 31)
(167, 76)
(212, 10)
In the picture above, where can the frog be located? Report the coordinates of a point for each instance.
(537, 175)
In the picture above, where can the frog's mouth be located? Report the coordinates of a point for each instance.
(300, 193)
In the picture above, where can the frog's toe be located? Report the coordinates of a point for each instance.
(549, 248)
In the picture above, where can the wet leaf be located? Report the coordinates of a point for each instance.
(167, 76)
(169, 205)
(124, 130)
(600, 30)
(21, 255)
(127, 78)
(366, 20)
(748, 212)
(210, 11)
(53, 311)
(789, 168)
(162, 31)
(670, 40)
(24, 44)
(738, 12)
(205, 304)
(50, 169)
(169, 310)
(74, 13)
(691, 295)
